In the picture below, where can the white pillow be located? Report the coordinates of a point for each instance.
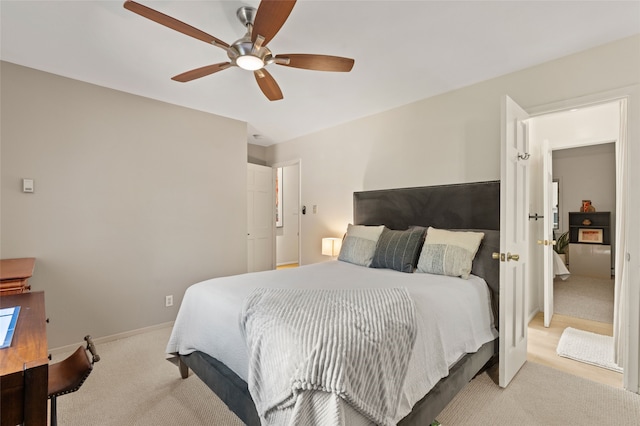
(359, 245)
(449, 252)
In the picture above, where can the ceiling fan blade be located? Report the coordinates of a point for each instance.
(270, 17)
(172, 23)
(201, 72)
(268, 85)
(316, 62)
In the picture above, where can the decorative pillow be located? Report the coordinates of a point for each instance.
(398, 249)
(359, 244)
(449, 252)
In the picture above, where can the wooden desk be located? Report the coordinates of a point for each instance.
(15, 274)
(24, 366)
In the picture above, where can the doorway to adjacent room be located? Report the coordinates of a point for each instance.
(287, 215)
(578, 300)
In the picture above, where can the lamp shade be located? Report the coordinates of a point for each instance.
(331, 246)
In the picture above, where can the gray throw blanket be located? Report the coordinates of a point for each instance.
(353, 343)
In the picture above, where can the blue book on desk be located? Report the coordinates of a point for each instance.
(8, 320)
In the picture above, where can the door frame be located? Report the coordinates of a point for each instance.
(289, 163)
(548, 240)
(631, 371)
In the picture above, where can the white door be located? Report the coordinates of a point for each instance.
(547, 241)
(514, 230)
(260, 218)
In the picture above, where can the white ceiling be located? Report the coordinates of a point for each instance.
(403, 50)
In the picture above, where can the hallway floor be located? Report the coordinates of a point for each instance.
(543, 342)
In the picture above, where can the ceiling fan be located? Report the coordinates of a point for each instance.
(249, 52)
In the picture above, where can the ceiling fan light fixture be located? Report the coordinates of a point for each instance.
(249, 62)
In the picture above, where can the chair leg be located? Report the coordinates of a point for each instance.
(54, 414)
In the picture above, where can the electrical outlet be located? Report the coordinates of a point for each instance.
(168, 300)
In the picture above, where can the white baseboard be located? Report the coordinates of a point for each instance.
(111, 338)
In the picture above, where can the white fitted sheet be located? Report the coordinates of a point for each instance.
(454, 316)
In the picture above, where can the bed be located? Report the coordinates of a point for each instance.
(473, 206)
(559, 268)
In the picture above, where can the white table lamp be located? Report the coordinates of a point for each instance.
(331, 246)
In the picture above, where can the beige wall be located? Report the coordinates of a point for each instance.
(134, 199)
(587, 173)
(257, 154)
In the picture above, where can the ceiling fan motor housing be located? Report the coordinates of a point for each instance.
(244, 47)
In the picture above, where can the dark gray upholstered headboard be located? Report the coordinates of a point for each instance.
(466, 205)
(461, 206)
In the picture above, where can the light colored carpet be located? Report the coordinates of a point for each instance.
(133, 384)
(585, 346)
(541, 396)
(584, 297)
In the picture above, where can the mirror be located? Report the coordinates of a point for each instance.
(555, 209)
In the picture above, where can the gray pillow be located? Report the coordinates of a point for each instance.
(359, 245)
(449, 252)
(398, 249)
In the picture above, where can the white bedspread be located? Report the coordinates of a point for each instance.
(451, 313)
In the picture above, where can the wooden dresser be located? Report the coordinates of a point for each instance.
(15, 274)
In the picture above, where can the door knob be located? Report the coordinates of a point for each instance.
(498, 256)
(515, 257)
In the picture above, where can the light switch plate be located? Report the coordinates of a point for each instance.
(27, 185)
